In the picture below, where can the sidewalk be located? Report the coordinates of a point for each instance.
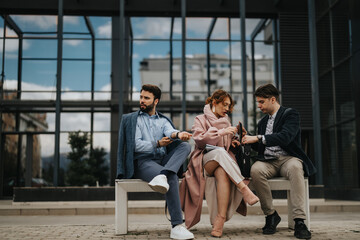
(343, 225)
(95, 220)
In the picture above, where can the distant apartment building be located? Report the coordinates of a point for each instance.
(157, 71)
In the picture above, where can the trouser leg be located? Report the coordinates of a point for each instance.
(260, 173)
(292, 169)
(148, 169)
(174, 160)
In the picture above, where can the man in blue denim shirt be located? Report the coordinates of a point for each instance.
(154, 163)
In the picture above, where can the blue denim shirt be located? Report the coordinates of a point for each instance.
(150, 129)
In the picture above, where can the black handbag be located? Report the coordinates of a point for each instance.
(243, 156)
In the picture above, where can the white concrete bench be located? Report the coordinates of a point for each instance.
(123, 186)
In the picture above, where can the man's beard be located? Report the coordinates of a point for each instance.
(148, 108)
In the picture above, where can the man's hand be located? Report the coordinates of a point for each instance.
(164, 142)
(235, 143)
(184, 136)
(249, 139)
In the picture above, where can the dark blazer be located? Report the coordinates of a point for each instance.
(287, 135)
(126, 145)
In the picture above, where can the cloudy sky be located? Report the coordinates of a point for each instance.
(40, 75)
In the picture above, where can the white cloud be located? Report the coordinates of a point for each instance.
(44, 22)
(153, 27)
(156, 56)
(136, 56)
(105, 30)
(73, 42)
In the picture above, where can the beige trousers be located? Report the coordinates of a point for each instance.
(288, 167)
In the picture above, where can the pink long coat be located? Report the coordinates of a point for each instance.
(207, 129)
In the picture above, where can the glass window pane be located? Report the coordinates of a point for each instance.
(324, 49)
(77, 49)
(326, 100)
(151, 27)
(103, 69)
(76, 75)
(10, 153)
(152, 62)
(345, 102)
(177, 28)
(101, 26)
(219, 65)
(33, 23)
(348, 163)
(329, 156)
(75, 24)
(340, 31)
(197, 27)
(33, 122)
(75, 122)
(102, 121)
(40, 48)
(11, 59)
(38, 75)
(47, 158)
(221, 29)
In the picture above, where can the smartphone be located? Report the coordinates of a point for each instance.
(240, 131)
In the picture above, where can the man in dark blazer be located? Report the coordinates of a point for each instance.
(278, 144)
(150, 148)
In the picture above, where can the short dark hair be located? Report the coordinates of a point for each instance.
(153, 89)
(219, 96)
(267, 91)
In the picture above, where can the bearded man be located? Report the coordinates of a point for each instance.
(150, 148)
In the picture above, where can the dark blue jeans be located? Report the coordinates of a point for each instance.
(147, 169)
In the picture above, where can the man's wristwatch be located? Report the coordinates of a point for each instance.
(259, 137)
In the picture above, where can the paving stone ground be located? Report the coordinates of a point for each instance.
(344, 225)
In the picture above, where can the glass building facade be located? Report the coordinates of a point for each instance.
(70, 67)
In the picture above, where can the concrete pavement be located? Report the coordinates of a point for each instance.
(95, 220)
(343, 225)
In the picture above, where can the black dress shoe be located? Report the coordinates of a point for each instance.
(301, 231)
(271, 222)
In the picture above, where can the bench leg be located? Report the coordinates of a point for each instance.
(121, 208)
(307, 204)
(291, 223)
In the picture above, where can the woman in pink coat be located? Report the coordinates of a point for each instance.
(212, 169)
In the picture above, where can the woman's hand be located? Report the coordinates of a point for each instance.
(244, 132)
(235, 143)
(230, 130)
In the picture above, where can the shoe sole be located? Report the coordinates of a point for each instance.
(158, 188)
(183, 238)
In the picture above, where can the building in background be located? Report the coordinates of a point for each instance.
(81, 64)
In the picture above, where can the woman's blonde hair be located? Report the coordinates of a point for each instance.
(219, 96)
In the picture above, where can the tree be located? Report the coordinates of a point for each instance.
(79, 172)
(97, 165)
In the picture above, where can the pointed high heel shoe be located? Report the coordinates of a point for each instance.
(218, 226)
(249, 197)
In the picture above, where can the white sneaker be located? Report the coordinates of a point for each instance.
(159, 184)
(180, 232)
